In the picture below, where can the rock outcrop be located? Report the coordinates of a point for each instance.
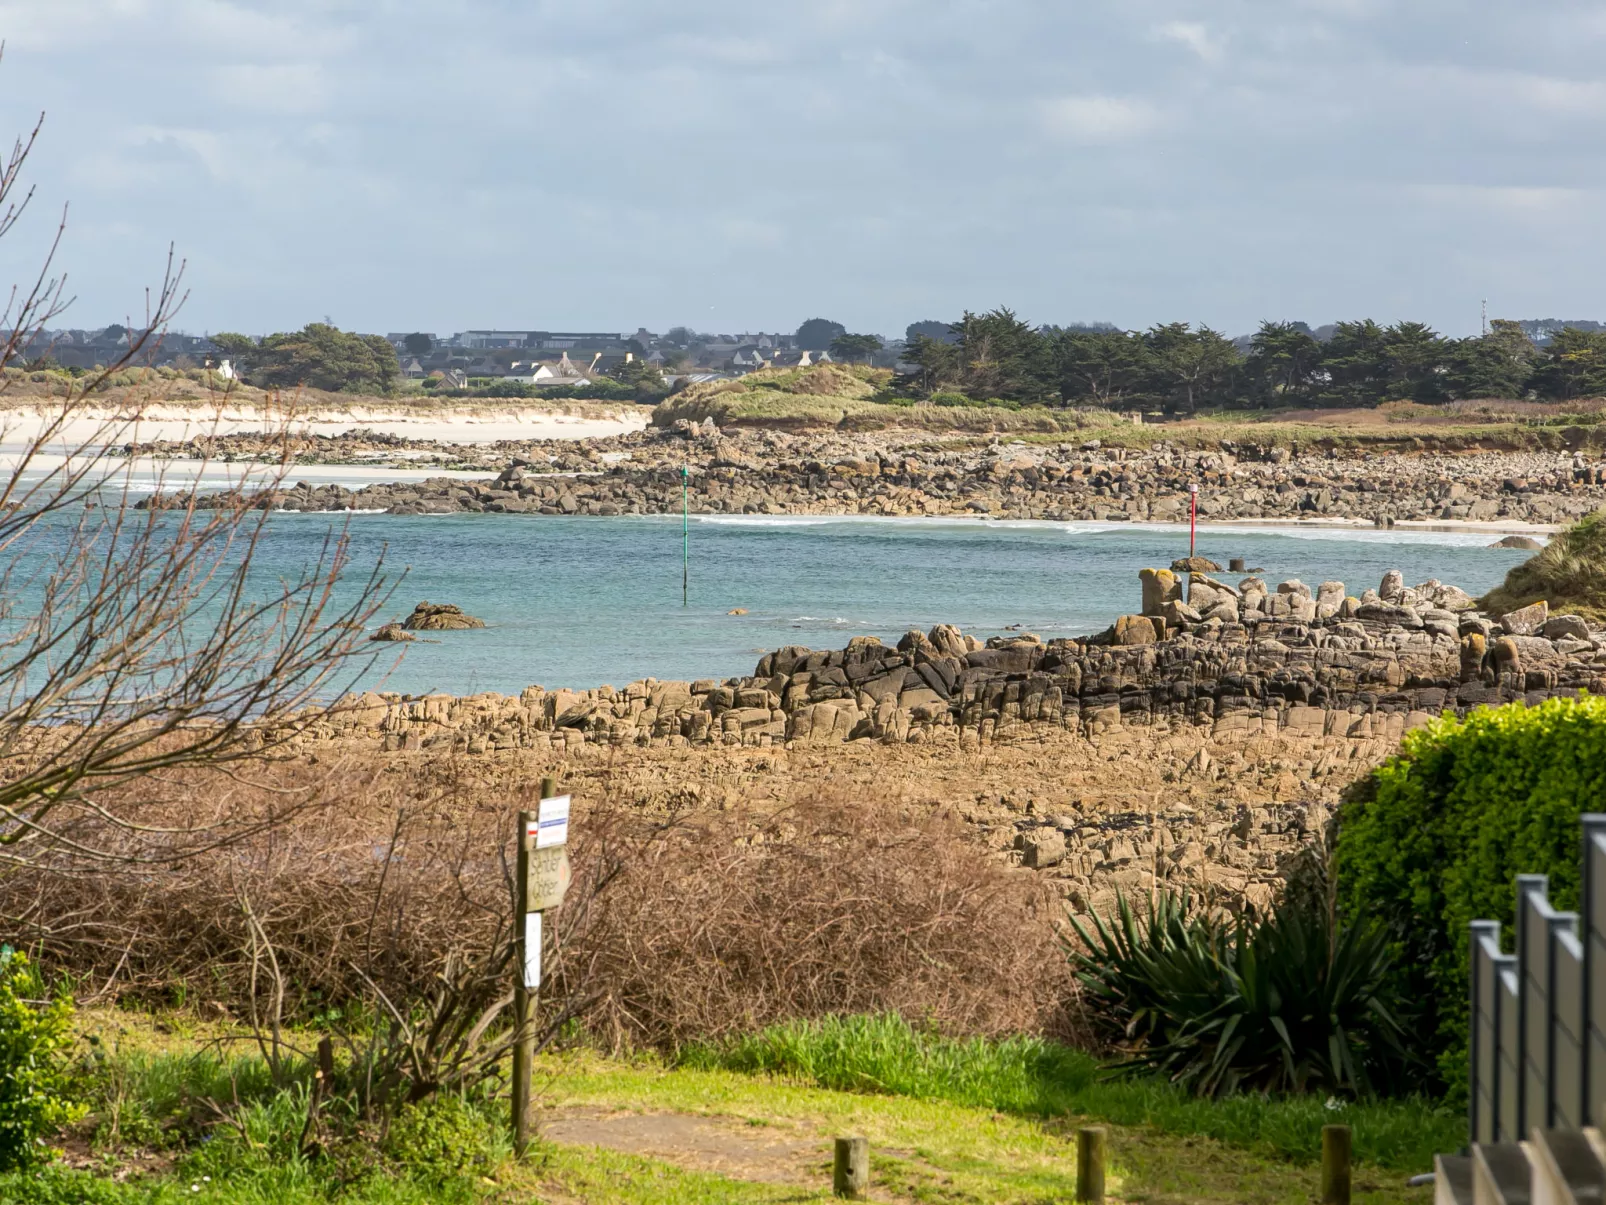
(440, 617)
(1243, 658)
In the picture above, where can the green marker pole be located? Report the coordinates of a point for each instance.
(685, 535)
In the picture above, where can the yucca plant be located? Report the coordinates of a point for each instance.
(1289, 1003)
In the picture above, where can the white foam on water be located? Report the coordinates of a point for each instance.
(1211, 535)
(763, 520)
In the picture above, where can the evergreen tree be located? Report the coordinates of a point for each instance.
(1417, 362)
(1283, 363)
(855, 347)
(1003, 357)
(320, 356)
(1496, 365)
(1103, 368)
(1188, 367)
(1574, 365)
(1356, 364)
(817, 334)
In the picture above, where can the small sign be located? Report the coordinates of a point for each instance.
(547, 878)
(532, 950)
(552, 822)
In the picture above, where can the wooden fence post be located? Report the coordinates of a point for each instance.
(850, 1173)
(1090, 1151)
(1336, 1146)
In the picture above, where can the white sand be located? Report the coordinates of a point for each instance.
(170, 421)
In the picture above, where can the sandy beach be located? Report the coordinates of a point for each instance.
(479, 423)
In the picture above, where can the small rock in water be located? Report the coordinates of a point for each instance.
(1195, 564)
(440, 617)
(392, 631)
(737, 611)
(1528, 543)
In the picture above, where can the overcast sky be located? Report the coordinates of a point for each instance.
(602, 164)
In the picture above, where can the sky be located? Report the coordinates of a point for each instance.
(442, 165)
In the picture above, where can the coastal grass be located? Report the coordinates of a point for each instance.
(1569, 573)
(200, 1123)
(800, 411)
(847, 396)
(739, 403)
(1030, 1077)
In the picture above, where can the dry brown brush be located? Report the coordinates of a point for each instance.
(691, 926)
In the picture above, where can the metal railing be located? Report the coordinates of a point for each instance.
(1538, 1025)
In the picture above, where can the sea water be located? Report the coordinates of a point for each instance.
(578, 602)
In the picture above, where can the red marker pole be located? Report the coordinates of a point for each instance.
(1193, 517)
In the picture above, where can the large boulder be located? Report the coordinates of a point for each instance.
(1526, 621)
(1135, 629)
(440, 617)
(1160, 586)
(1559, 627)
(1329, 598)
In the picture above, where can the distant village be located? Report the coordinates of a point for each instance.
(540, 359)
(519, 361)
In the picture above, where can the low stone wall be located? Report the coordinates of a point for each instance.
(1242, 659)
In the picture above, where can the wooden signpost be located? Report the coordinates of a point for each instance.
(543, 877)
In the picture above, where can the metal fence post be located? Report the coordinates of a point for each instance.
(1592, 907)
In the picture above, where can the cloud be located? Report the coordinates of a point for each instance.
(31, 25)
(280, 88)
(1099, 118)
(905, 160)
(1562, 97)
(1195, 36)
(1511, 200)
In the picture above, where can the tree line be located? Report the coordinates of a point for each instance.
(995, 356)
(318, 356)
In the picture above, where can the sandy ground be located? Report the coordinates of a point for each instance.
(175, 422)
(1501, 527)
(144, 475)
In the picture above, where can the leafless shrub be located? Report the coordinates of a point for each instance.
(692, 927)
(731, 923)
(136, 642)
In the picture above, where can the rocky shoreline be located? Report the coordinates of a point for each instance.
(1248, 705)
(779, 473)
(1240, 658)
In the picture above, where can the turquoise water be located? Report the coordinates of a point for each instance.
(582, 601)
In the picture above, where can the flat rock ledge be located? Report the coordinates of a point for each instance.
(1242, 659)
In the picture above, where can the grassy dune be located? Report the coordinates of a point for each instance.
(853, 397)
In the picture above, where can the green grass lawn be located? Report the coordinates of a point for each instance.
(752, 1121)
(923, 1150)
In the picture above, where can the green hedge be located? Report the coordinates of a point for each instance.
(1435, 837)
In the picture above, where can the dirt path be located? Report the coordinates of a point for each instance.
(756, 1150)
